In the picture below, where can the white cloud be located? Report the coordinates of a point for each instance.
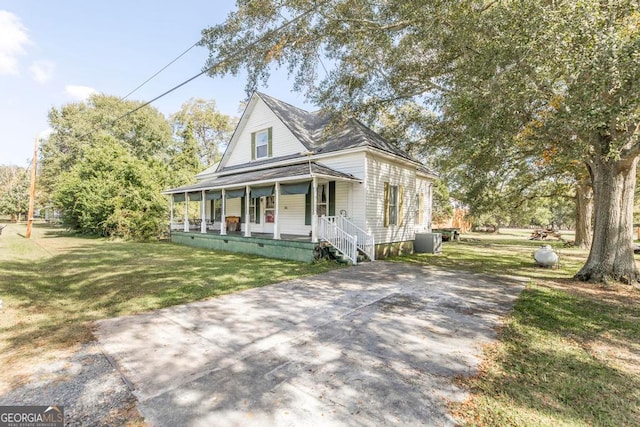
(13, 38)
(79, 93)
(42, 71)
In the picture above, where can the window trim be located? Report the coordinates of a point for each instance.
(397, 218)
(323, 189)
(252, 210)
(216, 207)
(254, 144)
(392, 205)
(269, 206)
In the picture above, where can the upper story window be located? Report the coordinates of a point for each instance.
(261, 144)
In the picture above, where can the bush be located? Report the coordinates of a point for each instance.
(111, 193)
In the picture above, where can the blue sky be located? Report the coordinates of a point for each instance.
(55, 52)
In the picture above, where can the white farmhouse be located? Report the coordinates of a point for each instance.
(290, 183)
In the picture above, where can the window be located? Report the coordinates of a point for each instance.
(269, 209)
(216, 210)
(252, 210)
(321, 208)
(261, 144)
(393, 205)
(393, 199)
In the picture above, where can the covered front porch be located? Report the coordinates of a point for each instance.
(286, 204)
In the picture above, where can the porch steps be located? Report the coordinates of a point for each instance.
(341, 258)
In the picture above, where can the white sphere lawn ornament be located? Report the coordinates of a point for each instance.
(545, 256)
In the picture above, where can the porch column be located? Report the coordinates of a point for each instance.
(186, 212)
(247, 204)
(314, 210)
(170, 214)
(276, 227)
(223, 214)
(203, 214)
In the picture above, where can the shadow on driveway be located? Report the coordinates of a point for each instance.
(377, 344)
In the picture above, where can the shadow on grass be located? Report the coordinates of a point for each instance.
(504, 257)
(544, 373)
(565, 356)
(559, 312)
(50, 301)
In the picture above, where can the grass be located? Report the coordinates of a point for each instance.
(569, 353)
(55, 284)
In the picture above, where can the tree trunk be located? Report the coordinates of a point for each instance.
(584, 214)
(611, 255)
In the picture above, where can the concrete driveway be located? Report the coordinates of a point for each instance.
(377, 344)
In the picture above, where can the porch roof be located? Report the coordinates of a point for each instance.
(296, 172)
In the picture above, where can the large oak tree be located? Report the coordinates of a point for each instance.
(568, 68)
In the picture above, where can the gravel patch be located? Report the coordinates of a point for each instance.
(86, 384)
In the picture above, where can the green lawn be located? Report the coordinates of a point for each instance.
(569, 353)
(55, 284)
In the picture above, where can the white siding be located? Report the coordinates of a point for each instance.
(353, 163)
(291, 218)
(261, 117)
(342, 198)
(381, 170)
(350, 196)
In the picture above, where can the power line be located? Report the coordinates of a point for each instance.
(160, 70)
(227, 58)
(217, 64)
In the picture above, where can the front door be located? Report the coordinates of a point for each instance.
(268, 213)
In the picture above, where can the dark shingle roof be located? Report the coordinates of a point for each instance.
(303, 124)
(424, 169)
(311, 129)
(302, 170)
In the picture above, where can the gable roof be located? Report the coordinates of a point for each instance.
(311, 130)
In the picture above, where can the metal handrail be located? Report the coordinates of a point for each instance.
(339, 238)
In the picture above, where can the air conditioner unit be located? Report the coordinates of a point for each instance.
(429, 243)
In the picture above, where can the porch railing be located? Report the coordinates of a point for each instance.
(365, 240)
(339, 238)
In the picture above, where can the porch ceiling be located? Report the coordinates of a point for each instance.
(296, 172)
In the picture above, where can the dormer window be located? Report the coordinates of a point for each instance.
(261, 144)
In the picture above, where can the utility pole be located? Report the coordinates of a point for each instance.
(32, 191)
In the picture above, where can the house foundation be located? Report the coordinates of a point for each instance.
(294, 250)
